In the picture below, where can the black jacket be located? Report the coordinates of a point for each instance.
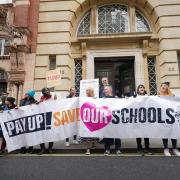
(29, 101)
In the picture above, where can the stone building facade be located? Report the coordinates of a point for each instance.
(130, 41)
(18, 37)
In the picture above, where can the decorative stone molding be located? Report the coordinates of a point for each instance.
(17, 77)
(5, 20)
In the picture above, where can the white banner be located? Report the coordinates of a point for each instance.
(152, 117)
(47, 122)
(146, 117)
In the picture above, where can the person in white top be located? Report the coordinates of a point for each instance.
(165, 91)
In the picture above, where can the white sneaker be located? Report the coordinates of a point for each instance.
(107, 153)
(118, 152)
(75, 142)
(176, 152)
(166, 152)
(87, 152)
(67, 144)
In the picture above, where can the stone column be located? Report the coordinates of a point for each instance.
(145, 53)
(84, 60)
(20, 93)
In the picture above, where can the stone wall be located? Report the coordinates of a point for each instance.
(57, 26)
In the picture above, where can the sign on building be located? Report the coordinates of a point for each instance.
(53, 78)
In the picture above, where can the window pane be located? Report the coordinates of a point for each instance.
(52, 62)
(84, 27)
(152, 75)
(78, 75)
(113, 19)
(6, 50)
(3, 47)
(141, 23)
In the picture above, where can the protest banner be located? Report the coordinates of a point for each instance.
(145, 117)
(49, 121)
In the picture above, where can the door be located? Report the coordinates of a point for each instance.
(120, 72)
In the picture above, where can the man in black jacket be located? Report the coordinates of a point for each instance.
(105, 82)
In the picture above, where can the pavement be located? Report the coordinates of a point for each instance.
(70, 163)
(93, 167)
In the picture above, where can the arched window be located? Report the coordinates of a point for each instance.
(113, 19)
(84, 27)
(141, 23)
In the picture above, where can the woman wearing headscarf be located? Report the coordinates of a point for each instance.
(28, 100)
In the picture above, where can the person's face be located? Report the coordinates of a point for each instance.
(107, 91)
(164, 88)
(89, 93)
(141, 89)
(47, 92)
(73, 91)
(104, 81)
(7, 103)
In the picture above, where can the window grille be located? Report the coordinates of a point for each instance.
(141, 23)
(4, 51)
(78, 75)
(113, 19)
(84, 27)
(152, 75)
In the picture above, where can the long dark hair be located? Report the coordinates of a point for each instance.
(70, 95)
(141, 85)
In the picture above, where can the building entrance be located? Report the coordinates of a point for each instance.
(120, 72)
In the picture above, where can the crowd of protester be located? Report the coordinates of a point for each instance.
(105, 91)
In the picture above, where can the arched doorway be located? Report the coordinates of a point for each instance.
(117, 40)
(3, 81)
